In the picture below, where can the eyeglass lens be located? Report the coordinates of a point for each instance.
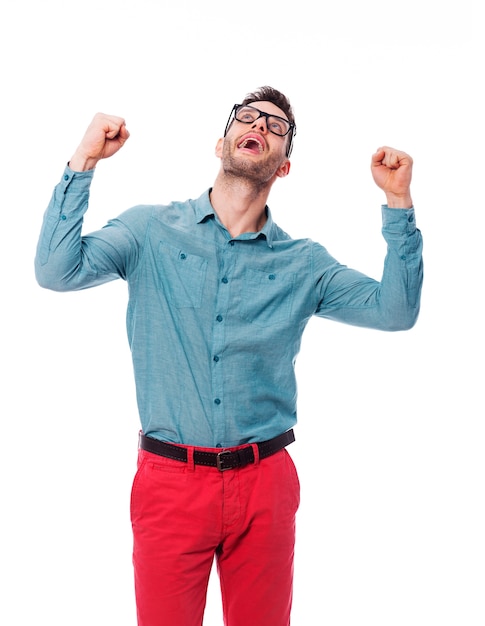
(249, 114)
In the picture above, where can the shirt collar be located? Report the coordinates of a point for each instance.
(204, 210)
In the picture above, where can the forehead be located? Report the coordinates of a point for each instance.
(268, 107)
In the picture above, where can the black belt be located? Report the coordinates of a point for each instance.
(224, 460)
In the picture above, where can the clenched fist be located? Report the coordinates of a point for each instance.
(104, 137)
(392, 171)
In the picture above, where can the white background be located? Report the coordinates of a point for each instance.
(391, 436)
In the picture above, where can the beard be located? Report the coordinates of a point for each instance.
(259, 174)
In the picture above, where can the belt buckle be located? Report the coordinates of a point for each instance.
(220, 460)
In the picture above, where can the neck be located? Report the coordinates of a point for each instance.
(239, 204)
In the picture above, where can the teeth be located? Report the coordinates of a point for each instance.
(245, 143)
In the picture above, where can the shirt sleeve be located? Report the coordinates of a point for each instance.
(392, 304)
(65, 259)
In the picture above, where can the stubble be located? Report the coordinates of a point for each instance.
(258, 173)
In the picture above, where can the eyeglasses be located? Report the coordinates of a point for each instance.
(277, 125)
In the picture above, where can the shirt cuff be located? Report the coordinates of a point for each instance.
(398, 220)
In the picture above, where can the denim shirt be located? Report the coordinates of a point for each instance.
(215, 322)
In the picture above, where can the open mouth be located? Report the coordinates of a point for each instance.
(253, 144)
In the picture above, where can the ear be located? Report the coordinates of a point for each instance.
(284, 169)
(219, 144)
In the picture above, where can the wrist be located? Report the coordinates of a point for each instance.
(396, 201)
(80, 163)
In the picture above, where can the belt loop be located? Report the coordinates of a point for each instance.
(255, 448)
(190, 459)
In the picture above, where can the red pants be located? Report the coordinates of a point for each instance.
(184, 514)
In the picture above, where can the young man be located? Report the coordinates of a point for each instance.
(219, 297)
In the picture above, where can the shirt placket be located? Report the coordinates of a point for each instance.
(219, 365)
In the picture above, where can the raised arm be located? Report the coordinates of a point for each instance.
(65, 259)
(393, 302)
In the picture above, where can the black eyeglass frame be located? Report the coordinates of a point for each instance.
(292, 128)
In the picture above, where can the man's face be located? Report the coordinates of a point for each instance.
(251, 151)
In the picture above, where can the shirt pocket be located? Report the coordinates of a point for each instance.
(183, 276)
(266, 297)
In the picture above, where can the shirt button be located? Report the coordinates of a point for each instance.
(217, 401)
(63, 217)
(231, 243)
(218, 445)
(410, 218)
(403, 257)
(216, 359)
(219, 318)
(66, 177)
(183, 256)
(271, 276)
(224, 280)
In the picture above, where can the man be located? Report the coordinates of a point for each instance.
(219, 297)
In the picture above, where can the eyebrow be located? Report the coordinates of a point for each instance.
(272, 114)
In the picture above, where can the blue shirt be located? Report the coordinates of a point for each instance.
(214, 322)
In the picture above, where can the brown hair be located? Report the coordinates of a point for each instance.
(269, 94)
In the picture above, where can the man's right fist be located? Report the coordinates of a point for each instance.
(104, 137)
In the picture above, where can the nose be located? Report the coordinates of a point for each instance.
(261, 123)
